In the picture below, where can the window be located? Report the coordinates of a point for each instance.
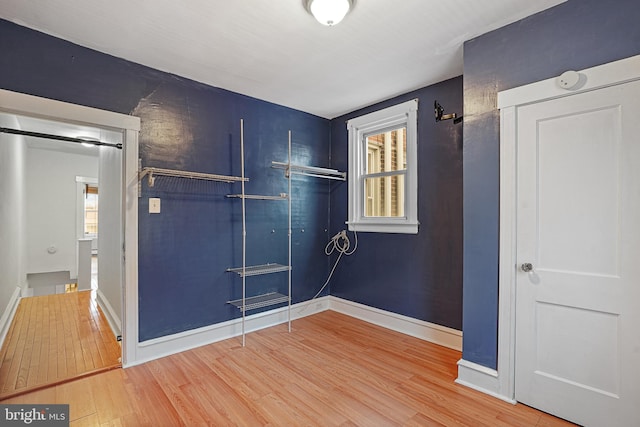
(383, 170)
(91, 211)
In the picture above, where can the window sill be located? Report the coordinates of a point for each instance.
(384, 227)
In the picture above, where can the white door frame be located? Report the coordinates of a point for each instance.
(614, 73)
(33, 106)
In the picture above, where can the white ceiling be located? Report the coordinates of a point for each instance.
(274, 50)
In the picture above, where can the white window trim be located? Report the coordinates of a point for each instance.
(405, 114)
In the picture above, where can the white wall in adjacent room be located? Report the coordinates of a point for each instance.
(51, 207)
(110, 233)
(12, 212)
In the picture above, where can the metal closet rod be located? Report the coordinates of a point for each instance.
(59, 138)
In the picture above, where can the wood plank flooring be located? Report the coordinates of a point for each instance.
(331, 370)
(55, 338)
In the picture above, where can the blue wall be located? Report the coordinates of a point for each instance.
(181, 265)
(184, 251)
(574, 35)
(416, 275)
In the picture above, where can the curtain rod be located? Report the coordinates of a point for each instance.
(59, 138)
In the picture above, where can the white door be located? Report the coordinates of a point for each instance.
(578, 225)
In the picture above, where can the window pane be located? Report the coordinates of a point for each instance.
(384, 196)
(91, 213)
(387, 151)
(383, 170)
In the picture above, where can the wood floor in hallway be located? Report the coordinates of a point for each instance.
(331, 370)
(55, 338)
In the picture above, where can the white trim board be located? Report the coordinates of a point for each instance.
(480, 378)
(613, 73)
(618, 72)
(441, 335)
(187, 340)
(112, 317)
(44, 108)
(9, 314)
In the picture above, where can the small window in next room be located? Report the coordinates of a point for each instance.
(91, 211)
(383, 170)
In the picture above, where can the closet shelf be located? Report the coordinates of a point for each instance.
(282, 196)
(314, 171)
(257, 270)
(152, 172)
(259, 301)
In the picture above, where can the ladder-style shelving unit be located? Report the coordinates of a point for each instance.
(272, 298)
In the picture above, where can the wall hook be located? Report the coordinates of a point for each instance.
(439, 113)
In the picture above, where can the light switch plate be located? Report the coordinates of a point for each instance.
(154, 205)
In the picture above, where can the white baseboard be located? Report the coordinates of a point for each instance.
(480, 378)
(112, 316)
(8, 314)
(441, 335)
(176, 343)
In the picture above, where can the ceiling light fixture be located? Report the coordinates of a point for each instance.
(329, 12)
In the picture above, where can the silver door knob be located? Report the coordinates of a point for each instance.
(527, 267)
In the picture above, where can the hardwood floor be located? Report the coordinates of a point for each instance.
(331, 370)
(55, 338)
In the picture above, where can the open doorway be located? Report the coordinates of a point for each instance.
(57, 335)
(129, 127)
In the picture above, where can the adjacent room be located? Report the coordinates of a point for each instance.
(388, 213)
(60, 332)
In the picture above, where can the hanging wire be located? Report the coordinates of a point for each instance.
(339, 243)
